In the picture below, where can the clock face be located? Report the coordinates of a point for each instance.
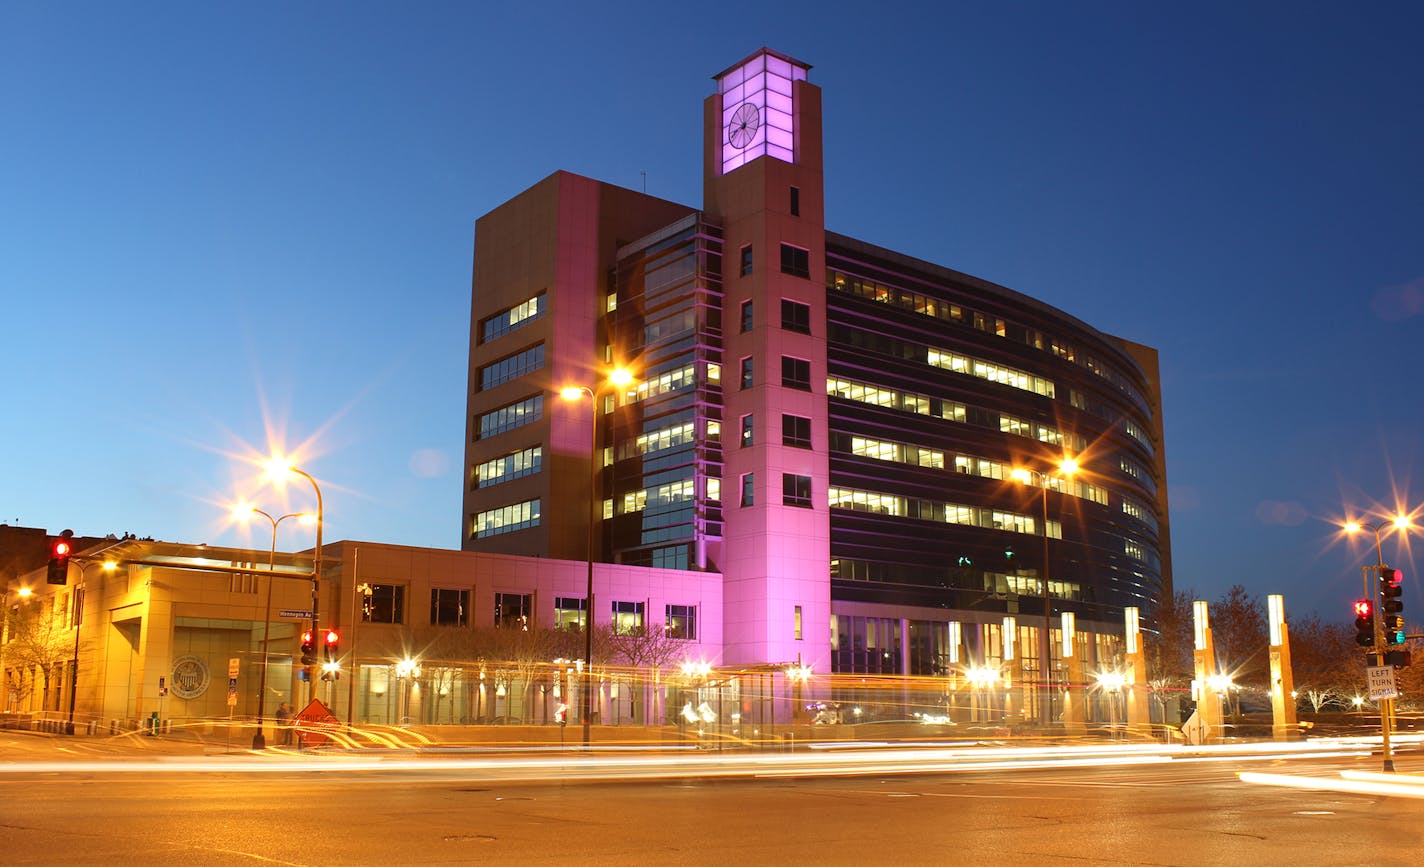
(745, 121)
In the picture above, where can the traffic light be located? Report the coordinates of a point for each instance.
(1391, 588)
(59, 550)
(308, 648)
(1393, 630)
(1364, 623)
(333, 642)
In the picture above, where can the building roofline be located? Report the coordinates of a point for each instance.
(760, 51)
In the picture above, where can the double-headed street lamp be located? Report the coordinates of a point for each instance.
(618, 378)
(1066, 468)
(243, 511)
(278, 468)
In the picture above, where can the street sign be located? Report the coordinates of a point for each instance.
(1381, 682)
(294, 614)
(232, 666)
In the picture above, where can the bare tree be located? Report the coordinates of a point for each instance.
(1325, 662)
(648, 648)
(1238, 628)
(39, 642)
(1169, 649)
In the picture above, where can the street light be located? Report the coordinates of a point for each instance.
(278, 468)
(405, 669)
(618, 378)
(78, 607)
(243, 511)
(1066, 468)
(1112, 683)
(798, 674)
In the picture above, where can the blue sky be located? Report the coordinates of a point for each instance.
(222, 221)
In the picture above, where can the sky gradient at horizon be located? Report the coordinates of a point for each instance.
(220, 225)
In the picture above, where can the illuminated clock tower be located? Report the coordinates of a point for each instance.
(763, 182)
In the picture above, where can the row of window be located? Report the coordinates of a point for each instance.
(795, 316)
(795, 261)
(512, 366)
(965, 577)
(795, 373)
(934, 308)
(511, 416)
(932, 510)
(993, 372)
(506, 321)
(795, 431)
(505, 519)
(795, 490)
(514, 466)
(923, 456)
(385, 603)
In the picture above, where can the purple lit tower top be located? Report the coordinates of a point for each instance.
(757, 113)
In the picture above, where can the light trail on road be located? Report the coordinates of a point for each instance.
(614, 765)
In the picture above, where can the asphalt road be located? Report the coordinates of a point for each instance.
(1180, 813)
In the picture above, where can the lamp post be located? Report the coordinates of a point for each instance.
(242, 511)
(1066, 468)
(1112, 682)
(78, 615)
(279, 468)
(1402, 523)
(619, 378)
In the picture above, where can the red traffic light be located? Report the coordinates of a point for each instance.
(1363, 608)
(332, 638)
(1392, 577)
(61, 548)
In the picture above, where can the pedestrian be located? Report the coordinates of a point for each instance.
(284, 724)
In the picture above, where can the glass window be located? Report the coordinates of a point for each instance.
(385, 603)
(681, 622)
(746, 259)
(506, 519)
(797, 626)
(795, 261)
(795, 316)
(512, 416)
(796, 373)
(746, 316)
(507, 320)
(507, 467)
(449, 607)
(795, 201)
(511, 610)
(796, 431)
(796, 490)
(746, 431)
(747, 372)
(569, 613)
(627, 617)
(512, 366)
(747, 485)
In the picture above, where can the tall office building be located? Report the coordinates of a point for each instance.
(831, 426)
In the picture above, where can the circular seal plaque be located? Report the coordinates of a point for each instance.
(190, 677)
